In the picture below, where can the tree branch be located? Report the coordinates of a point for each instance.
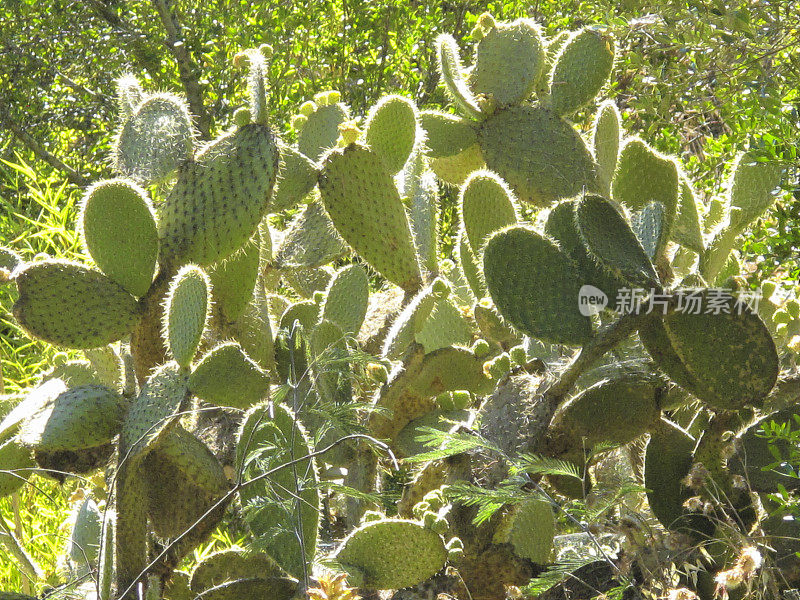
(41, 153)
(186, 67)
(143, 54)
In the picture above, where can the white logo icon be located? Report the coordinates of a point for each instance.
(591, 300)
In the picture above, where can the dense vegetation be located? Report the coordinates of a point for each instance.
(700, 81)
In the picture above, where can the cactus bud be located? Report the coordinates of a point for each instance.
(266, 50)
(307, 107)
(378, 372)
(241, 60)
(298, 121)
(480, 348)
(242, 116)
(348, 132)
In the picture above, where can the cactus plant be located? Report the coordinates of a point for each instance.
(219, 357)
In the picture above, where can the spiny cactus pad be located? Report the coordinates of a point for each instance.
(83, 547)
(393, 553)
(562, 228)
(310, 241)
(447, 135)
(452, 72)
(611, 242)
(79, 418)
(530, 529)
(644, 176)
(581, 69)
(186, 313)
(276, 500)
(486, 206)
(606, 140)
(119, 230)
(751, 188)
(155, 409)
(154, 140)
(539, 154)
(35, 400)
(271, 588)
(508, 62)
(468, 263)
(233, 280)
(184, 479)
(535, 286)
(391, 131)
(455, 169)
(615, 411)
(346, 298)
(100, 311)
(726, 360)
(412, 389)
(219, 198)
(226, 376)
(668, 459)
(297, 176)
(366, 209)
(687, 231)
(321, 130)
(16, 463)
(230, 565)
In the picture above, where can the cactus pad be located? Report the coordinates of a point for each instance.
(392, 131)
(726, 360)
(411, 391)
(256, 588)
(186, 313)
(346, 299)
(154, 411)
(16, 463)
(219, 198)
(455, 169)
(321, 131)
(226, 376)
(606, 140)
(446, 135)
(687, 231)
(611, 242)
(540, 155)
(615, 411)
(101, 311)
(297, 176)
(79, 418)
(562, 228)
(184, 480)
(366, 209)
(233, 281)
(644, 176)
(230, 565)
(668, 459)
(535, 286)
(508, 62)
(310, 241)
(751, 188)
(154, 140)
(581, 69)
(393, 553)
(531, 527)
(83, 547)
(119, 230)
(486, 206)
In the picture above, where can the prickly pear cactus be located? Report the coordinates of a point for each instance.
(236, 367)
